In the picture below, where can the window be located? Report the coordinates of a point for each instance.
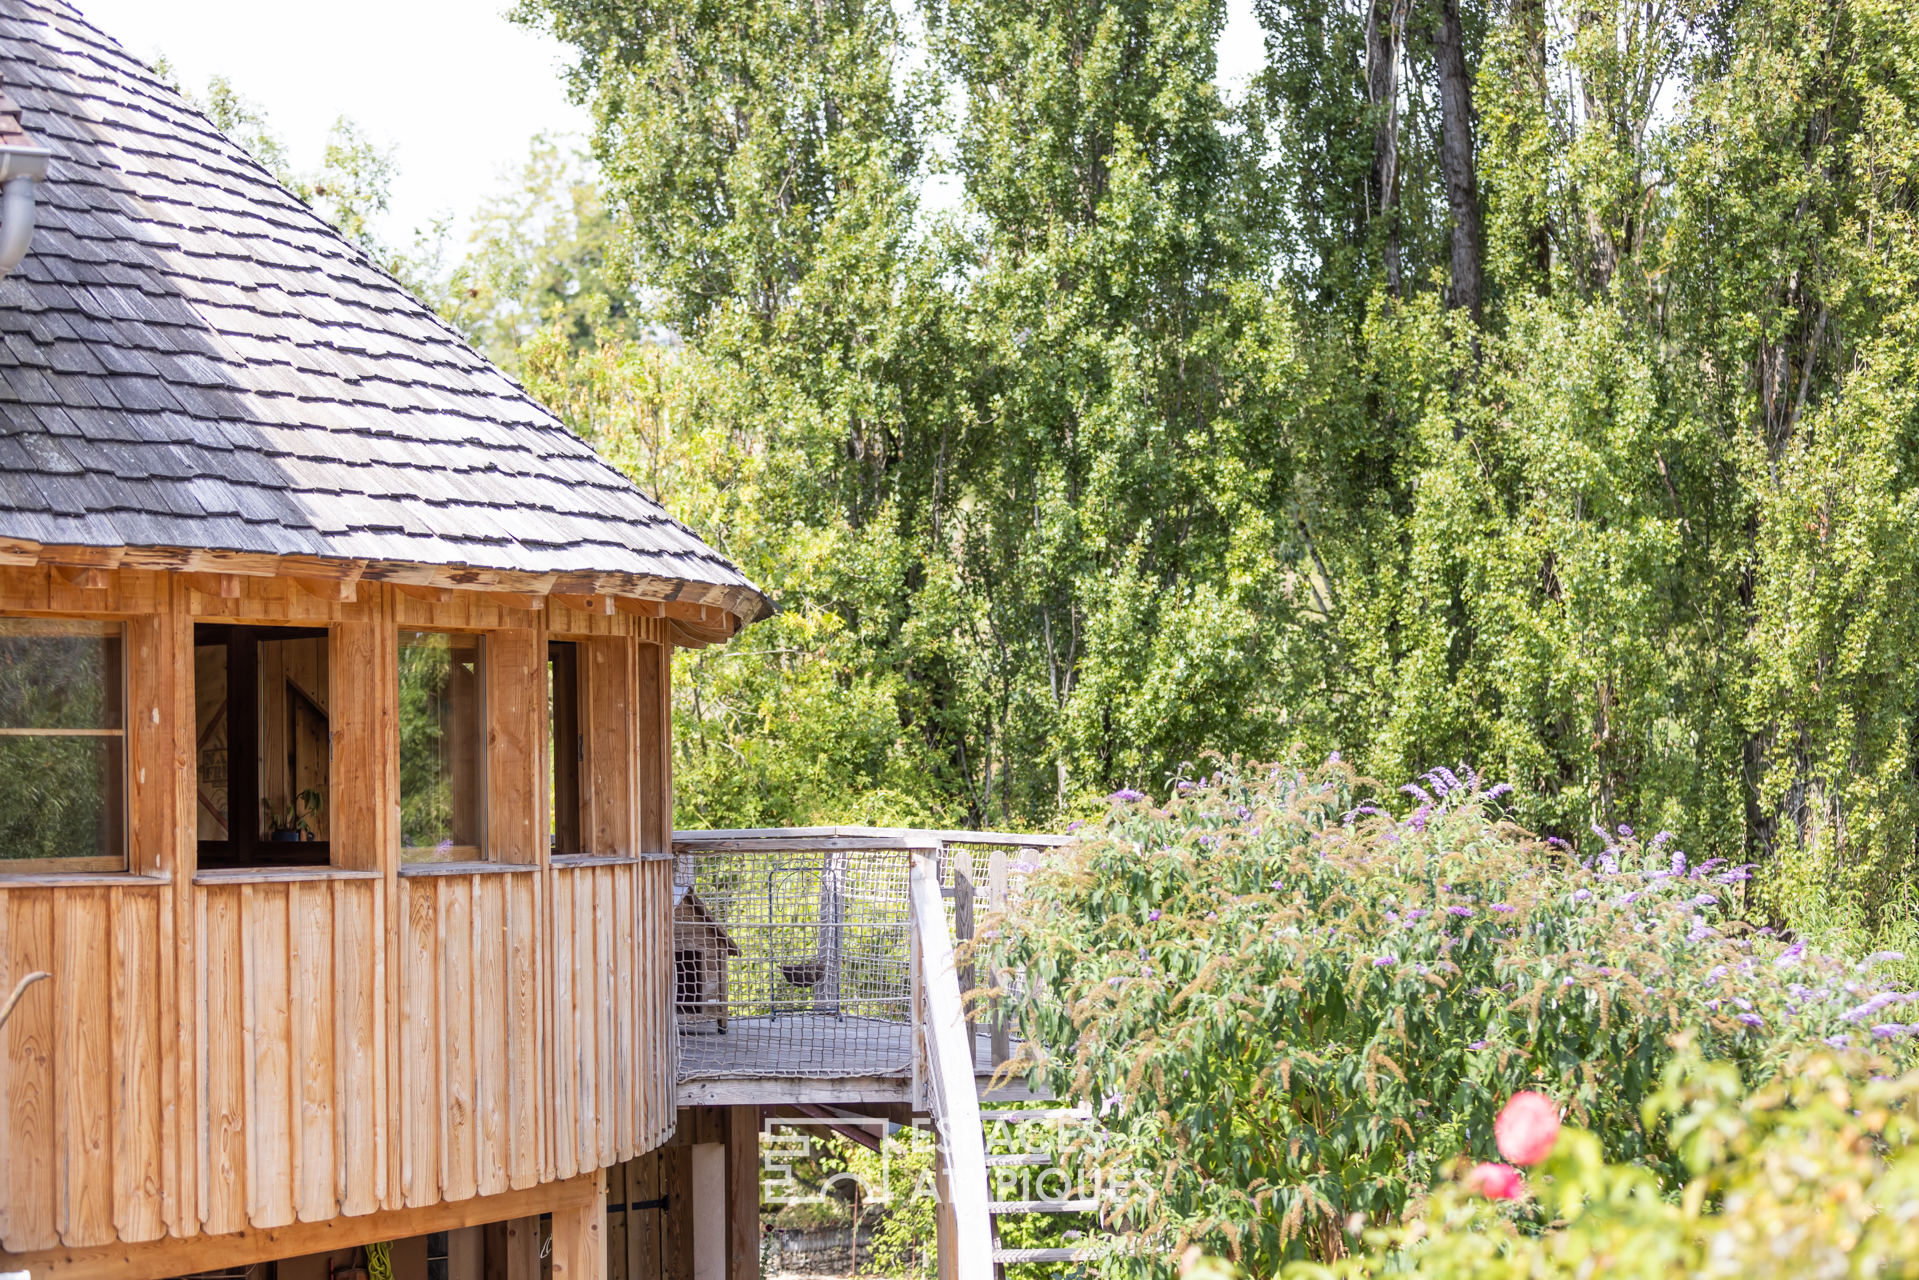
(566, 748)
(63, 745)
(442, 747)
(263, 745)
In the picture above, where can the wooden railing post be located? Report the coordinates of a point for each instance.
(955, 1096)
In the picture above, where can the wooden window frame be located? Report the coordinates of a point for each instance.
(243, 692)
(121, 787)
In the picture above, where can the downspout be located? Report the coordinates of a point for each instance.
(21, 166)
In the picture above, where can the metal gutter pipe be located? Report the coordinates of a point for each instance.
(20, 168)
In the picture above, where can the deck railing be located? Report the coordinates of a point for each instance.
(795, 947)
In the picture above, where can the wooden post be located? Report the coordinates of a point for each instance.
(996, 889)
(512, 1250)
(579, 1238)
(743, 1193)
(945, 1227)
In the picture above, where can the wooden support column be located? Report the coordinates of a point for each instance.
(743, 1193)
(579, 1237)
(511, 1250)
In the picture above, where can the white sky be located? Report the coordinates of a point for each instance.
(454, 87)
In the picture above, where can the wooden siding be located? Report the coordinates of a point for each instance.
(251, 1051)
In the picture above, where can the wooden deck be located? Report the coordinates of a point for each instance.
(813, 1058)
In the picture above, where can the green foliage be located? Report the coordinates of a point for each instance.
(1289, 1006)
(1148, 450)
(1812, 1174)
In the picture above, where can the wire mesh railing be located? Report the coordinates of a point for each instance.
(793, 948)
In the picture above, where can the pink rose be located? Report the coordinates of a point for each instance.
(1495, 1181)
(1527, 1128)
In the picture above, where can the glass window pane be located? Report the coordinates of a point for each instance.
(294, 740)
(442, 747)
(566, 748)
(62, 745)
(210, 738)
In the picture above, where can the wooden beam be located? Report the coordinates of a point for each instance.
(329, 589)
(515, 599)
(640, 608)
(431, 595)
(579, 1235)
(601, 605)
(174, 1256)
(224, 585)
(85, 579)
(743, 1193)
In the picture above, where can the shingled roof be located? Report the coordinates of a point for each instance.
(195, 362)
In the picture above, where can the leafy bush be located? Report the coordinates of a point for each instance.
(1291, 1006)
(1815, 1174)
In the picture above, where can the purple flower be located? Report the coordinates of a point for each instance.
(1023, 867)
(1705, 900)
(1152, 917)
(1581, 895)
(1877, 956)
(1074, 825)
(1718, 971)
(1503, 908)
(1479, 1044)
(1700, 930)
(1416, 913)
(1418, 793)
(1126, 795)
(1609, 864)
(1498, 790)
(1419, 817)
(1333, 758)
(1566, 981)
(1678, 857)
(1625, 830)
(1839, 1041)
(1629, 899)
(1211, 916)
(1459, 911)
(1791, 955)
(1888, 1030)
(1752, 1019)
(1380, 962)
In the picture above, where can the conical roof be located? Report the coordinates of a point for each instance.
(194, 361)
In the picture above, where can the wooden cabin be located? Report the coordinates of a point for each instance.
(335, 789)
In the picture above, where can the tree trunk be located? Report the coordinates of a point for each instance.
(1385, 37)
(1456, 156)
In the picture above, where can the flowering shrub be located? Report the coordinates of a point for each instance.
(1290, 1007)
(1816, 1174)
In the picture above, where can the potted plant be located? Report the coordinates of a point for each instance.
(295, 821)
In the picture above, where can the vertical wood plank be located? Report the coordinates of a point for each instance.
(516, 711)
(605, 1022)
(29, 1203)
(610, 764)
(315, 988)
(457, 982)
(743, 1193)
(643, 1242)
(271, 1103)
(579, 1237)
(491, 979)
(616, 1222)
(586, 1023)
(652, 755)
(422, 1065)
(177, 853)
(629, 1067)
(676, 1223)
(138, 1158)
(82, 1052)
(565, 939)
(222, 1016)
(527, 1043)
(358, 1057)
